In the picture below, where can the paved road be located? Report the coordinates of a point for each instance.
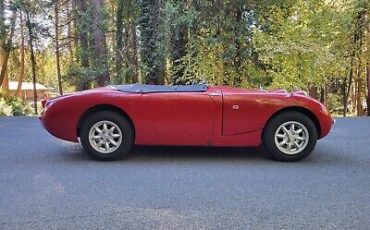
(46, 183)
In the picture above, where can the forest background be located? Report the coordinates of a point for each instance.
(320, 46)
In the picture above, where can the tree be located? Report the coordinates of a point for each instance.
(131, 38)
(126, 53)
(368, 62)
(57, 47)
(30, 28)
(6, 43)
(82, 23)
(319, 46)
(151, 54)
(99, 61)
(119, 49)
(178, 23)
(21, 69)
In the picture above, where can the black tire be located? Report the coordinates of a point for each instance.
(127, 136)
(289, 117)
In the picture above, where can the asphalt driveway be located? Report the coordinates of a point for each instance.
(46, 183)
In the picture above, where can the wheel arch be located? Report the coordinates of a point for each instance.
(302, 110)
(103, 107)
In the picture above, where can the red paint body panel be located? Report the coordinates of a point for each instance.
(246, 111)
(221, 116)
(182, 117)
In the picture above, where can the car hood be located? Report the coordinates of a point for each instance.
(233, 90)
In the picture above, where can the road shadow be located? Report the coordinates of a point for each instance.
(176, 153)
(323, 154)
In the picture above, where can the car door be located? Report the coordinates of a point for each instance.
(177, 118)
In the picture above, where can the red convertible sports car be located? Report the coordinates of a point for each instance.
(108, 121)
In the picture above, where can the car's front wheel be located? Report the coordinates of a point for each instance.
(290, 136)
(106, 135)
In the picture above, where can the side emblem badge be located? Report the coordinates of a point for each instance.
(236, 107)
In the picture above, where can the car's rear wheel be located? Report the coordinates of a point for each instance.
(106, 135)
(290, 136)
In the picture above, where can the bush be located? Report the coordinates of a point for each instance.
(13, 106)
(5, 109)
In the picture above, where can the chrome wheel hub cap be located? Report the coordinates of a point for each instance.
(291, 137)
(105, 137)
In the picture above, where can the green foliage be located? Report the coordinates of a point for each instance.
(301, 46)
(152, 56)
(123, 76)
(12, 106)
(91, 25)
(3, 27)
(219, 49)
(5, 109)
(334, 103)
(271, 43)
(78, 75)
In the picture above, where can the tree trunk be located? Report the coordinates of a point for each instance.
(367, 44)
(323, 95)
(355, 49)
(5, 85)
(151, 54)
(57, 51)
(179, 41)
(83, 34)
(354, 96)
(359, 106)
(238, 47)
(33, 59)
(2, 35)
(2, 22)
(368, 88)
(119, 63)
(132, 47)
(348, 85)
(18, 93)
(69, 34)
(74, 22)
(313, 92)
(344, 98)
(6, 48)
(82, 28)
(99, 43)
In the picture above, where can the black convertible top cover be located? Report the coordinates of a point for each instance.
(142, 88)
